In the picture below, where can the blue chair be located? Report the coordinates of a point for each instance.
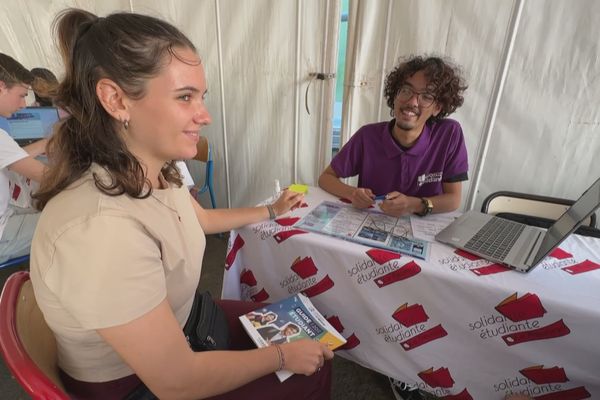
(15, 261)
(204, 155)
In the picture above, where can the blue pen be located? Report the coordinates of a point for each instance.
(382, 197)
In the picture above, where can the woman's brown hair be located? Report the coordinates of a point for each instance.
(128, 49)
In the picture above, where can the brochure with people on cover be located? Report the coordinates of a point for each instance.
(288, 320)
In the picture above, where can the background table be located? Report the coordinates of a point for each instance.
(455, 325)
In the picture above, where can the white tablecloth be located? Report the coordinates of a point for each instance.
(455, 327)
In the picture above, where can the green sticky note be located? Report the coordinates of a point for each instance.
(298, 188)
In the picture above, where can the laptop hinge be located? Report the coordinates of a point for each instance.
(528, 260)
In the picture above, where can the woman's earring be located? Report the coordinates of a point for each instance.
(126, 124)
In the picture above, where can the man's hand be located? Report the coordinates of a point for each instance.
(362, 198)
(398, 204)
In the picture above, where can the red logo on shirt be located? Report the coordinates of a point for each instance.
(16, 192)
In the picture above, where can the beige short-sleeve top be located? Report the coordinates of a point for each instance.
(99, 261)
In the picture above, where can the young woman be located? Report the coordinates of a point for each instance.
(16, 226)
(117, 254)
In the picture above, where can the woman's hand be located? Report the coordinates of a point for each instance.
(305, 356)
(287, 201)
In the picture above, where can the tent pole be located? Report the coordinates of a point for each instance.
(223, 112)
(297, 88)
(384, 57)
(513, 27)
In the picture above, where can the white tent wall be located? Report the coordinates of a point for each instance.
(257, 55)
(25, 28)
(546, 138)
(548, 111)
(269, 49)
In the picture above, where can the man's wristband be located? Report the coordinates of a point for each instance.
(272, 214)
(427, 207)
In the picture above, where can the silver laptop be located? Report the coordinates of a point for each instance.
(30, 124)
(517, 245)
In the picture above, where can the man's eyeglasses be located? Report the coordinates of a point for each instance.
(424, 99)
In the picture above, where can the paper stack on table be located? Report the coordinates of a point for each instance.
(425, 228)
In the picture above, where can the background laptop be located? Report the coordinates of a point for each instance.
(30, 124)
(517, 245)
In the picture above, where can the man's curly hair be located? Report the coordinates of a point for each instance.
(445, 82)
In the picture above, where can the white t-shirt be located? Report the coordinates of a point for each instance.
(10, 152)
(185, 174)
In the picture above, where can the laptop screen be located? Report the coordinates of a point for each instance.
(570, 220)
(30, 122)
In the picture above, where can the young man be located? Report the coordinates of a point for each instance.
(417, 161)
(16, 228)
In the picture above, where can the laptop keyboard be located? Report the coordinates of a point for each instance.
(496, 238)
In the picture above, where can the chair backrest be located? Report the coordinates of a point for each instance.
(203, 147)
(28, 345)
(204, 154)
(549, 208)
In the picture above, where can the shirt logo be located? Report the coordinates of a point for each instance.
(429, 178)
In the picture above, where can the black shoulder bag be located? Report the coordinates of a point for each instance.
(206, 327)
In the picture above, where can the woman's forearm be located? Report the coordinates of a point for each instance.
(223, 371)
(225, 219)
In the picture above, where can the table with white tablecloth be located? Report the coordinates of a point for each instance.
(454, 325)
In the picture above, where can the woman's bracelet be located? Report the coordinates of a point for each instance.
(281, 358)
(272, 214)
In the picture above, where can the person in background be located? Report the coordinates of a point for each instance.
(47, 76)
(16, 226)
(416, 162)
(117, 253)
(47, 99)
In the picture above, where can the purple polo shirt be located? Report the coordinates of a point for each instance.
(382, 165)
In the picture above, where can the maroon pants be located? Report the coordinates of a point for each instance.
(314, 387)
